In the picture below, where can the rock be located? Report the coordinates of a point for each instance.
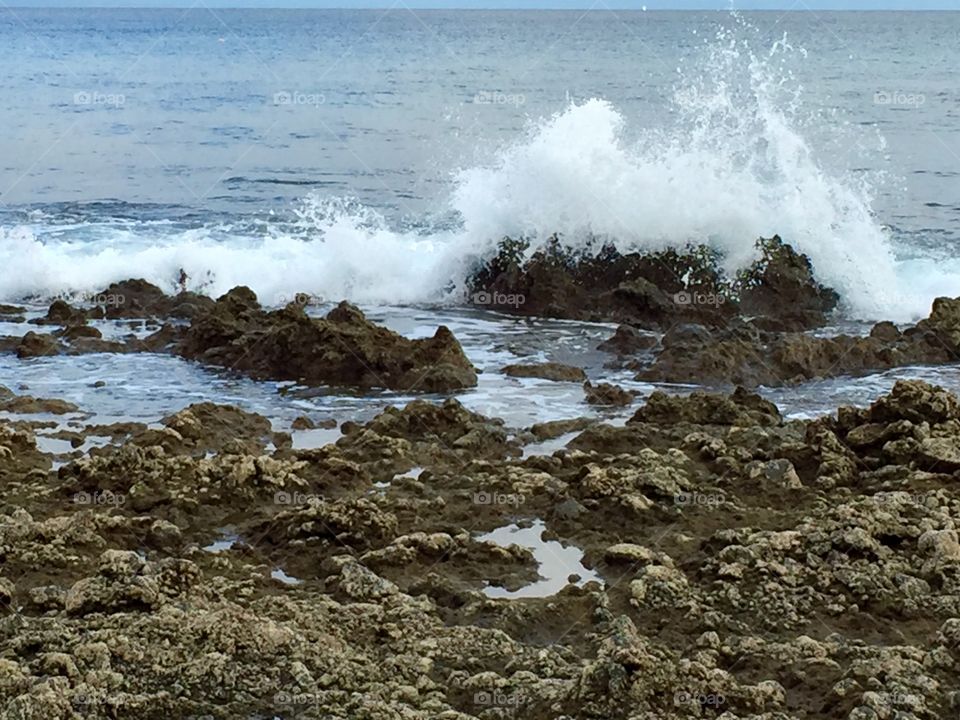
(885, 331)
(628, 341)
(607, 394)
(137, 298)
(546, 371)
(37, 345)
(343, 349)
(635, 555)
(27, 404)
(655, 290)
(302, 423)
(686, 333)
(15, 310)
(62, 313)
(557, 428)
(781, 289)
(741, 409)
(745, 354)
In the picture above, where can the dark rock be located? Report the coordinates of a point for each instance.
(607, 394)
(741, 409)
(74, 332)
(781, 289)
(138, 298)
(885, 331)
(62, 313)
(547, 371)
(628, 341)
(744, 355)
(686, 334)
(342, 349)
(558, 428)
(37, 345)
(302, 423)
(654, 290)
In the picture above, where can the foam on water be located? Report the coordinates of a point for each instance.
(733, 166)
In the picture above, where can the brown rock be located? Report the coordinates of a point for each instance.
(342, 349)
(37, 345)
(547, 371)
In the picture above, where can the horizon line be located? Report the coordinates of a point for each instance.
(414, 6)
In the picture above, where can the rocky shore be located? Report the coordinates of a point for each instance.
(740, 566)
(708, 558)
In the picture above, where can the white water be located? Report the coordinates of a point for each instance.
(735, 165)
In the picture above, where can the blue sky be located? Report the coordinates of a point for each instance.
(599, 4)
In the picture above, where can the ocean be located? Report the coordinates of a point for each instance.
(376, 156)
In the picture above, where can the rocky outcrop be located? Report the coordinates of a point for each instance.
(734, 564)
(344, 348)
(654, 290)
(746, 355)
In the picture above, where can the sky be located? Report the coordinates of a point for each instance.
(527, 4)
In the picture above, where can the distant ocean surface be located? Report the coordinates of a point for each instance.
(375, 155)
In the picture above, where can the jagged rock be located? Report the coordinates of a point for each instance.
(342, 349)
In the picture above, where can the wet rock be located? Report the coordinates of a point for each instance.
(687, 333)
(15, 310)
(781, 289)
(885, 331)
(137, 298)
(432, 432)
(557, 428)
(302, 423)
(628, 341)
(76, 332)
(655, 290)
(607, 394)
(37, 345)
(756, 357)
(546, 371)
(61, 312)
(342, 349)
(27, 404)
